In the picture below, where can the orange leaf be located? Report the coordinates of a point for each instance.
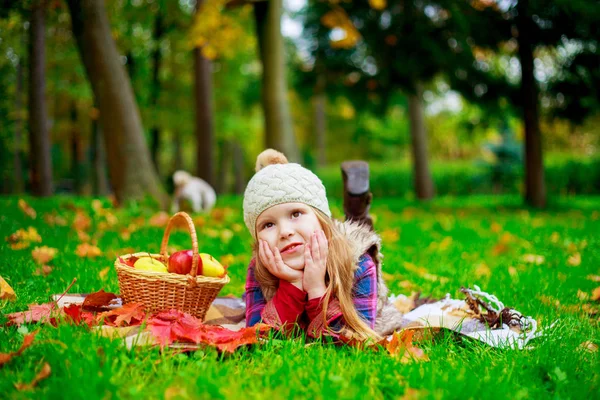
(400, 345)
(160, 219)
(98, 301)
(43, 374)
(129, 315)
(27, 340)
(36, 313)
(27, 209)
(43, 255)
(88, 250)
(81, 222)
(6, 292)
(596, 294)
(43, 270)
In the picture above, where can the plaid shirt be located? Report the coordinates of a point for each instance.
(364, 293)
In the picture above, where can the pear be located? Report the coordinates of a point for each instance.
(149, 264)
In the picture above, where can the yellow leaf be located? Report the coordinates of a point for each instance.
(43, 255)
(593, 278)
(6, 292)
(589, 346)
(555, 237)
(227, 259)
(534, 259)
(483, 270)
(226, 235)
(27, 209)
(581, 295)
(512, 271)
(102, 274)
(596, 294)
(390, 235)
(574, 260)
(496, 227)
(445, 243)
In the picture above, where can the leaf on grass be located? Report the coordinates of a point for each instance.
(27, 209)
(43, 270)
(88, 250)
(36, 313)
(98, 301)
(534, 259)
(6, 292)
(27, 340)
(589, 346)
(43, 255)
(54, 219)
(400, 344)
(593, 278)
(22, 238)
(574, 260)
(102, 274)
(43, 374)
(129, 315)
(160, 219)
(81, 222)
(596, 294)
(173, 325)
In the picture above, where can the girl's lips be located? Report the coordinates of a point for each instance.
(291, 248)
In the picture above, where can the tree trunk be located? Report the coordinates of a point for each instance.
(279, 132)
(424, 187)
(319, 104)
(535, 186)
(19, 185)
(178, 161)
(39, 137)
(204, 115)
(101, 186)
(76, 163)
(155, 84)
(238, 167)
(131, 171)
(222, 172)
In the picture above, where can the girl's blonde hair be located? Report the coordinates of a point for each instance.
(339, 279)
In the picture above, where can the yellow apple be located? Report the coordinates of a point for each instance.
(149, 264)
(210, 266)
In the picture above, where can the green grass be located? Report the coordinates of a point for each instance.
(435, 248)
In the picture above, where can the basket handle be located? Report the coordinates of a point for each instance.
(192, 230)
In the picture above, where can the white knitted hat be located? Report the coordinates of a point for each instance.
(277, 182)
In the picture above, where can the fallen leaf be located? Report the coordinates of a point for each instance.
(176, 392)
(6, 292)
(555, 237)
(581, 295)
(23, 238)
(27, 209)
(83, 236)
(589, 346)
(400, 344)
(512, 271)
(43, 255)
(43, 270)
(77, 315)
(593, 278)
(102, 274)
(54, 219)
(173, 325)
(98, 301)
(390, 235)
(43, 374)
(129, 315)
(496, 227)
(405, 304)
(574, 260)
(534, 259)
(81, 222)
(482, 270)
(159, 219)
(27, 340)
(596, 294)
(36, 313)
(88, 250)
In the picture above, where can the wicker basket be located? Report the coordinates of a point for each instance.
(159, 291)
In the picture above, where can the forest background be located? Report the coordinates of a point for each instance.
(446, 97)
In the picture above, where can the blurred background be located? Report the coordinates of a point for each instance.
(446, 97)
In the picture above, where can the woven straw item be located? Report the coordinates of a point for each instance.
(159, 291)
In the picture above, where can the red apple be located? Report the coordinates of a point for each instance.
(181, 262)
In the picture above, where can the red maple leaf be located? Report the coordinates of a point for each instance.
(173, 325)
(77, 315)
(401, 345)
(27, 340)
(130, 314)
(37, 313)
(129, 262)
(98, 301)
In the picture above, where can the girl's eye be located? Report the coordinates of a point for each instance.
(296, 214)
(267, 225)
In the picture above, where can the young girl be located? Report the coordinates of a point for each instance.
(308, 270)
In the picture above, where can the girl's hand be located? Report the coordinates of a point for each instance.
(274, 263)
(315, 262)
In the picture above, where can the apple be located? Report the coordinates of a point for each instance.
(149, 264)
(181, 262)
(210, 266)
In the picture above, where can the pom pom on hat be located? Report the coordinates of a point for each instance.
(276, 182)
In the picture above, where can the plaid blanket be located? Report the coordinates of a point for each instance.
(459, 316)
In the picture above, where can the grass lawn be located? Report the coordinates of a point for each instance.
(543, 263)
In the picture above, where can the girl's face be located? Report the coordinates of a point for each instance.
(288, 227)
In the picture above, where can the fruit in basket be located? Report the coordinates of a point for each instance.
(210, 266)
(149, 264)
(181, 262)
